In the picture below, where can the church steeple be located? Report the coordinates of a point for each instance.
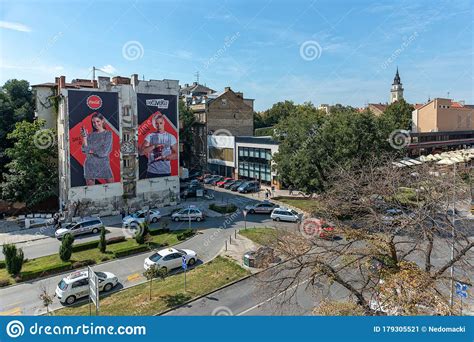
(396, 93)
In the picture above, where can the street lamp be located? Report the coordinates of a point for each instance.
(245, 211)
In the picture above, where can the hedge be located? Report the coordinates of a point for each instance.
(2, 264)
(185, 234)
(159, 231)
(28, 275)
(4, 282)
(131, 250)
(94, 244)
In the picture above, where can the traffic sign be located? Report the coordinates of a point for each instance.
(184, 264)
(93, 288)
(461, 290)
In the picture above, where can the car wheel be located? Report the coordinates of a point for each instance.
(154, 220)
(198, 219)
(95, 231)
(191, 262)
(252, 211)
(108, 287)
(176, 219)
(277, 219)
(70, 300)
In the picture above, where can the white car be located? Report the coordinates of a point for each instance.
(284, 214)
(192, 213)
(170, 258)
(76, 285)
(86, 225)
(139, 217)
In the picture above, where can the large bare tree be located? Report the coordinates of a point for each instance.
(396, 236)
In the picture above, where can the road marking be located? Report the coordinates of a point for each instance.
(13, 312)
(271, 298)
(133, 277)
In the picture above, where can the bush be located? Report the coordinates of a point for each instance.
(185, 234)
(82, 263)
(85, 246)
(229, 208)
(130, 250)
(4, 282)
(102, 241)
(2, 264)
(49, 270)
(159, 231)
(116, 239)
(13, 259)
(65, 251)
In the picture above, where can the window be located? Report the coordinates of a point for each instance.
(80, 283)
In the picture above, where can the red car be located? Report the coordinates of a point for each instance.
(223, 182)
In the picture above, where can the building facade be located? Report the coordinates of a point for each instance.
(118, 144)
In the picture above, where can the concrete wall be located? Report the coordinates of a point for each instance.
(44, 105)
(439, 115)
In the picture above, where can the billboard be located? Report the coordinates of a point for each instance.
(94, 141)
(157, 135)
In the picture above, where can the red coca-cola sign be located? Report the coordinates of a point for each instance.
(94, 102)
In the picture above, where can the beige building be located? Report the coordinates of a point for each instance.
(443, 115)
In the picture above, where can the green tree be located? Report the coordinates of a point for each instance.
(272, 116)
(31, 175)
(186, 134)
(16, 104)
(14, 259)
(102, 241)
(65, 250)
(153, 272)
(397, 116)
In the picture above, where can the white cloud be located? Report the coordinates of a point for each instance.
(109, 69)
(14, 26)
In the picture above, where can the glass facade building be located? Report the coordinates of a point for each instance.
(255, 163)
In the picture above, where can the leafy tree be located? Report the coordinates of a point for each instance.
(272, 116)
(16, 104)
(46, 298)
(154, 272)
(142, 233)
(186, 134)
(102, 241)
(397, 116)
(65, 250)
(31, 174)
(14, 259)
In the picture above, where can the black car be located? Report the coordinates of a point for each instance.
(236, 185)
(192, 191)
(229, 184)
(251, 186)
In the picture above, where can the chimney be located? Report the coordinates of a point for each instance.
(120, 80)
(226, 88)
(195, 83)
(134, 80)
(240, 94)
(62, 82)
(186, 85)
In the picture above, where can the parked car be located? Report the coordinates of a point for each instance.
(236, 185)
(170, 258)
(185, 214)
(139, 217)
(264, 207)
(284, 214)
(192, 191)
(223, 182)
(212, 178)
(84, 226)
(229, 184)
(251, 186)
(215, 180)
(76, 285)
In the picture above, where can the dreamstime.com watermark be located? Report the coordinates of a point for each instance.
(399, 139)
(228, 41)
(406, 43)
(310, 50)
(44, 138)
(222, 311)
(16, 329)
(132, 50)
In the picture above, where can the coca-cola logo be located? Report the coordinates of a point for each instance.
(94, 102)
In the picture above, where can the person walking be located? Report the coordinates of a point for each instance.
(290, 188)
(266, 194)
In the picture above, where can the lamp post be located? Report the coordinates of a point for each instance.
(245, 218)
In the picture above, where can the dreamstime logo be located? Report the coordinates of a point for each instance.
(15, 329)
(220, 136)
(44, 138)
(222, 311)
(311, 227)
(132, 229)
(132, 50)
(310, 50)
(399, 139)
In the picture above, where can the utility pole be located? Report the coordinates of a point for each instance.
(93, 73)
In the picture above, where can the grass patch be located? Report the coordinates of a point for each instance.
(305, 204)
(166, 293)
(262, 236)
(51, 264)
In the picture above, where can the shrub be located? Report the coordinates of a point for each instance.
(14, 259)
(49, 270)
(130, 250)
(116, 239)
(185, 234)
(102, 241)
(229, 208)
(85, 246)
(159, 231)
(2, 264)
(4, 282)
(82, 263)
(65, 251)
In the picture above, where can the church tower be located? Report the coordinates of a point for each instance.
(396, 93)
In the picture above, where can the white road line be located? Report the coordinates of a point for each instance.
(271, 298)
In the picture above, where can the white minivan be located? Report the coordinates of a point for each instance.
(285, 214)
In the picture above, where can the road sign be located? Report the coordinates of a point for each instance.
(461, 290)
(93, 288)
(184, 264)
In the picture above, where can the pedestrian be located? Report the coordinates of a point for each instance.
(290, 188)
(122, 213)
(266, 194)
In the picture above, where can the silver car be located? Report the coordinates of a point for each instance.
(86, 225)
(188, 213)
(264, 207)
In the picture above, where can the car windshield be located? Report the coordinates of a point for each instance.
(294, 212)
(155, 257)
(101, 275)
(62, 285)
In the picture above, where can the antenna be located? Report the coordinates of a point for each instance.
(197, 76)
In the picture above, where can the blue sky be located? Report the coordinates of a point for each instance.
(320, 51)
